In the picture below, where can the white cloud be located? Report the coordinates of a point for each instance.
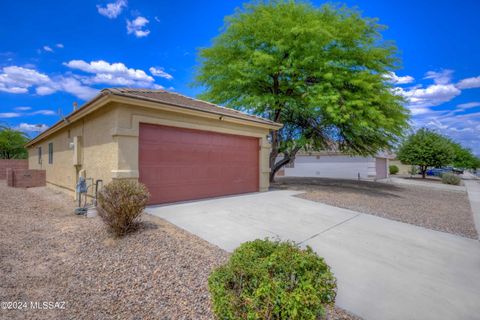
(138, 27)
(16, 79)
(23, 108)
(113, 9)
(454, 122)
(45, 90)
(440, 77)
(76, 88)
(27, 127)
(432, 95)
(103, 67)
(47, 48)
(463, 128)
(160, 72)
(469, 105)
(20, 80)
(13, 89)
(10, 115)
(157, 19)
(112, 73)
(43, 112)
(59, 45)
(392, 77)
(419, 110)
(469, 83)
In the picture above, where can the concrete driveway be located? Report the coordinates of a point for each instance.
(385, 269)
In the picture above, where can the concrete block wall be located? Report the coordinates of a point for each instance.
(9, 177)
(11, 163)
(25, 178)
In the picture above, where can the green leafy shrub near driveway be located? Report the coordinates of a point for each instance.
(450, 178)
(272, 280)
(393, 169)
(120, 204)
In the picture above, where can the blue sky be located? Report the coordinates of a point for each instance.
(53, 53)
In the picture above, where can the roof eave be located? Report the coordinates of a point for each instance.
(266, 124)
(98, 101)
(106, 96)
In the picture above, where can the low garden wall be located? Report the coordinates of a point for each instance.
(14, 164)
(25, 178)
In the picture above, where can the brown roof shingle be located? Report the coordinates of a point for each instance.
(178, 100)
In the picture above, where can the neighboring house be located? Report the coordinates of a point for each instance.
(180, 148)
(337, 165)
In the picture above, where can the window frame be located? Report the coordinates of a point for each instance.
(50, 153)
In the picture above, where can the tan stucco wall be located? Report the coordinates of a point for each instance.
(403, 168)
(110, 142)
(98, 151)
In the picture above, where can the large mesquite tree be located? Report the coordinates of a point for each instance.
(319, 71)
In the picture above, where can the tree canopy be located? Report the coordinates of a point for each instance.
(464, 157)
(319, 71)
(426, 148)
(12, 143)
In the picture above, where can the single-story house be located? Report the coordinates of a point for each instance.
(333, 164)
(180, 148)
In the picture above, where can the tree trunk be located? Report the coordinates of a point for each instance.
(287, 158)
(424, 171)
(277, 166)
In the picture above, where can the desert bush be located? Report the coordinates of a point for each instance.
(120, 204)
(450, 178)
(393, 169)
(266, 279)
(413, 170)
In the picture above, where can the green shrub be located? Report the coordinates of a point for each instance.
(393, 169)
(272, 280)
(413, 170)
(450, 178)
(120, 204)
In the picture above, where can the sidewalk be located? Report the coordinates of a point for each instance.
(418, 183)
(473, 189)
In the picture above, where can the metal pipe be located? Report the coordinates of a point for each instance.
(99, 181)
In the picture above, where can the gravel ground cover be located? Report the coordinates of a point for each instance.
(428, 179)
(447, 211)
(47, 254)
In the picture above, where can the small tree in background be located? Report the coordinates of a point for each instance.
(464, 158)
(321, 72)
(12, 143)
(426, 148)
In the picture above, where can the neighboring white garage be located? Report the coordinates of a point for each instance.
(337, 165)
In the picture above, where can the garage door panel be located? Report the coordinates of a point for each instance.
(179, 164)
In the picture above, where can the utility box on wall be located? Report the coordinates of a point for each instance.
(77, 150)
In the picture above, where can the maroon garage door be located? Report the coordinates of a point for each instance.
(179, 164)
